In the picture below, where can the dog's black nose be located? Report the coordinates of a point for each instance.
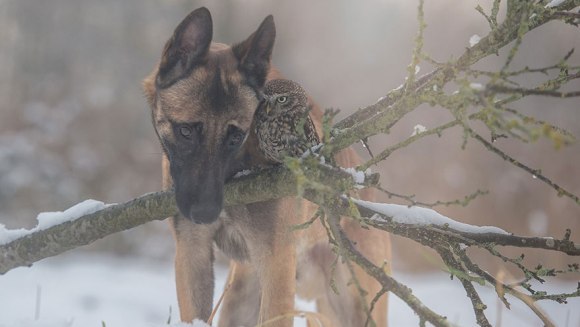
(204, 213)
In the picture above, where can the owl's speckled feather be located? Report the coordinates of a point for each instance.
(283, 126)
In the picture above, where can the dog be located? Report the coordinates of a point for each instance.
(203, 96)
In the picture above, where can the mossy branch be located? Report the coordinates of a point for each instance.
(261, 186)
(452, 246)
(388, 282)
(382, 115)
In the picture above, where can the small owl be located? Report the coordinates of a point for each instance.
(283, 126)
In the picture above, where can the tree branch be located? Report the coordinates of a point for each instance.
(377, 273)
(85, 230)
(158, 206)
(523, 91)
(382, 115)
(534, 172)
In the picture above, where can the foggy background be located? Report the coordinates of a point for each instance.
(74, 123)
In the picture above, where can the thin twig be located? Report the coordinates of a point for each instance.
(412, 202)
(226, 289)
(400, 290)
(388, 151)
(412, 68)
(534, 172)
(523, 91)
(499, 285)
(477, 304)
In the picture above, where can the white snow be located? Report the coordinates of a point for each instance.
(357, 176)
(417, 69)
(418, 129)
(244, 172)
(423, 216)
(312, 151)
(70, 323)
(79, 291)
(316, 147)
(196, 323)
(474, 39)
(476, 86)
(554, 3)
(49, 219)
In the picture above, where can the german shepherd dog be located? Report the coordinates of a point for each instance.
(203, 96)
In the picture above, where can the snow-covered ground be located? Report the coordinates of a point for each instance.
(76, 291)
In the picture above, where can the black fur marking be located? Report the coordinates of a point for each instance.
(217, 95)
(221, 94)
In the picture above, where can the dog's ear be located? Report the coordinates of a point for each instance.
(255, 52)
(187, 47)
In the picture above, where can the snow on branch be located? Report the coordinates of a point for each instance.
(451, 240)
(84, 223)
(49, 219)
(419, 216)
(71, 231)
(406, 221)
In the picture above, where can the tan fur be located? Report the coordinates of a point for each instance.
(276, 263)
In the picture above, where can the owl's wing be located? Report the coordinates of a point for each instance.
(310, 132)
(303, 139)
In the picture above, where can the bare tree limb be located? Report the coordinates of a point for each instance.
(157, 206)
(85, 230)
(388, 282)
(523, 91)
(379, 117)
(534, 172)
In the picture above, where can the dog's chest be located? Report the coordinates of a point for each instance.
(245, 230)
(230, 238)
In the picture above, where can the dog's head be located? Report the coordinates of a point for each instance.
(203, 96)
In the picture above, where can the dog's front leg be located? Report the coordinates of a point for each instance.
(193, 268)
(241, 306)
(273, 252)
(278, 276)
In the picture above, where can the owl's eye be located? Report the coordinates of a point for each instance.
(282, 99)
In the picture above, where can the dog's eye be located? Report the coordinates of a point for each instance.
(188, 130)
(185, 131)
(237, 139)
(282, 99)
(235, 136)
